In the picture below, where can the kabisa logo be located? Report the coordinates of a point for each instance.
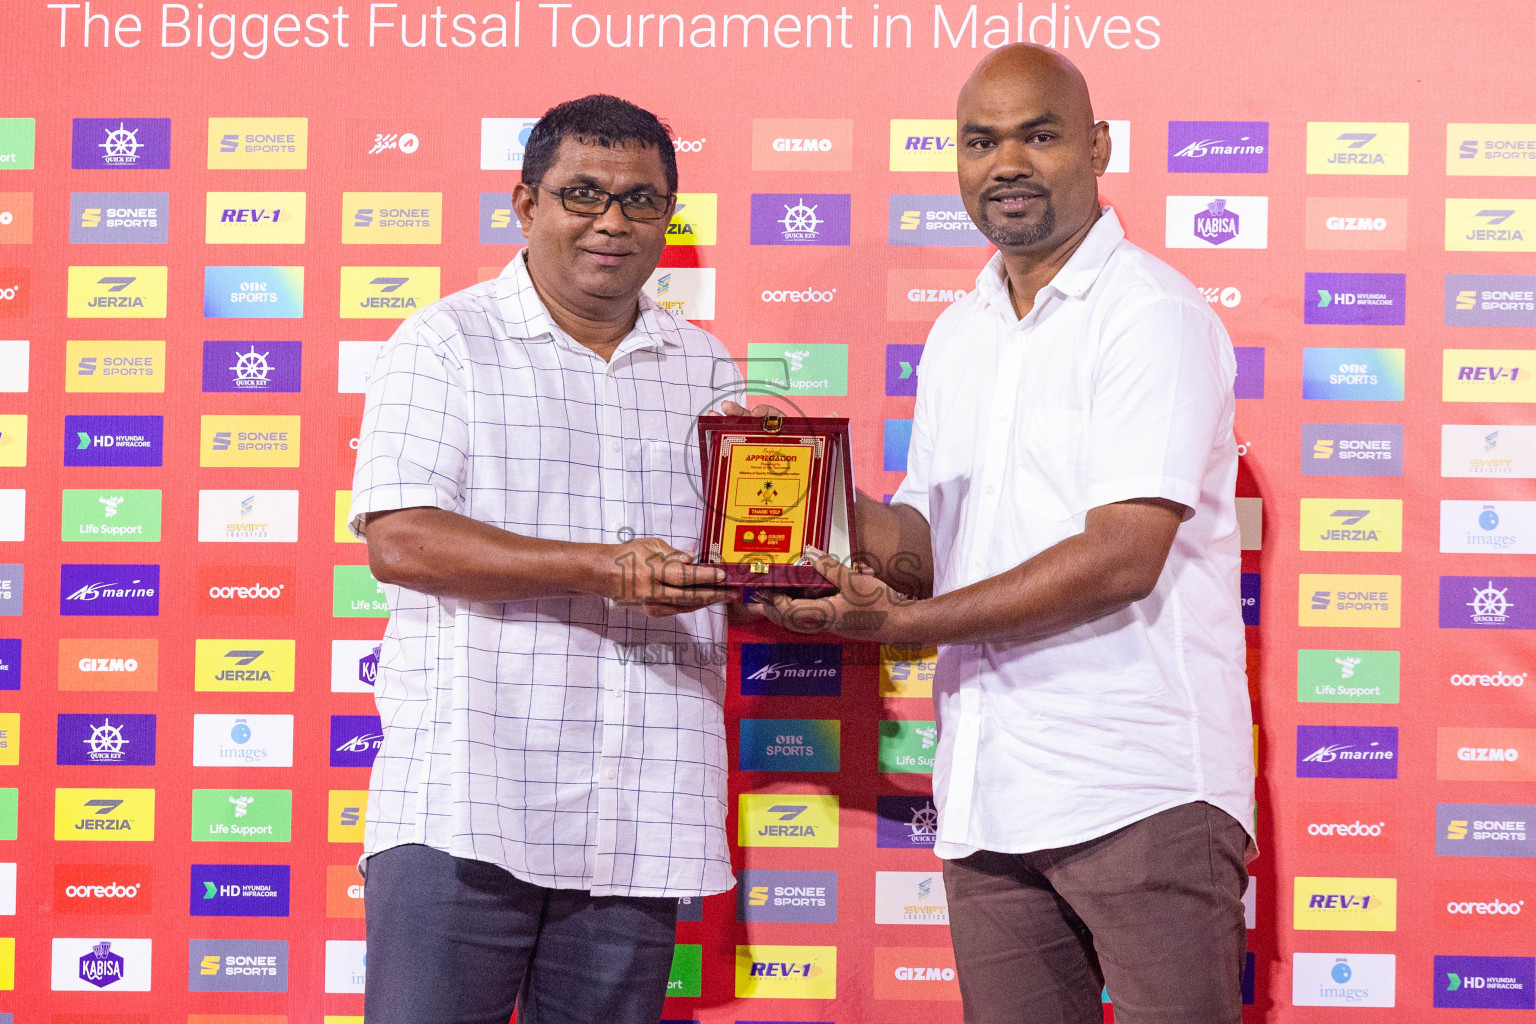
(253, 293)
(114, 366)
(688, 292)
(246, 589)
(239, 890)
(908, 746)
(801, 219)
(121, 143)
(354, 665)
(802, 144)
(1490, 225)
(117, 293)
(113, 440)
(1351, 449)
(1490, 300)
(1218, 147)
(119, 218)
(806, 897)
(910, 897)
(1485, 982)
(240, 441)
(15, 292)
(790, 744)
(258, 143)
(695, 218)
(109, 589)
(1345, 904)
(784, 819)
(259, 367)
(932, 220)
(106, 739)
(404, 218)
(1230, 222)
(1359, 299)
(1356, 677)
(1357, 223)
(95, 964)
(1353, 374)
(1351, 524)
(104, 815)
(254, 218)
(242, 815)
(1346, 752)
(101, 967)
(923, 145)
(786, 972)
(1487, 602)
(115, 889)
(387, 293)
(921, 295)
(355, 740)
(1343, 979)
(1484, 830)
(1490, 150)
(498, 224)
(1350, 147)
(502, 140)
(1488, 375)
(247, 517)
(108, 664)
(1478, 527)
(237, 965)
(249, 741)
(1486, 754)
(244, 666)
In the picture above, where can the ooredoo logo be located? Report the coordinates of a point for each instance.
(802, 295)
(1363, 826)
(15, 292)
(102, 889)
(1478, 905)
(246, 590)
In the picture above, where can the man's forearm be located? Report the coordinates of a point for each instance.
(896, 541)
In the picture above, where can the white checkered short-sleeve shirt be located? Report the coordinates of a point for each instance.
(532, 734)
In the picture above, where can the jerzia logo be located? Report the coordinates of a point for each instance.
(778, 819)
(387, 292)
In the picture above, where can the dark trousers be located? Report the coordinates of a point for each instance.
(1155, 910)
(454, 941)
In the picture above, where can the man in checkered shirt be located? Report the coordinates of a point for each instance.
(526, 482)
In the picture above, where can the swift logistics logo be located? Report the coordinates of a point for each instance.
(688, 292)
(243, 666)
(239, 890)
(258, 143)
(791, 670)
(1485, 982)
(247, 516)
(1229, 222)
(110, 516)
(355, 740)
(242, 741)
(1346, 752)
(134, 293)
(119, 218)
(114, 366)
(1487, 527)
(502, 141)
(1218, 147)
(1352, 677)
(1351, 449)
(1490, 300)
(1490, 150)
(387, 293)
(120, 143)
(1345, 904)
(1488, 375)
(1343, 979)
(787, 819)
(252, 367)
(796, 218)
(18, 136)
(907, 747)
(118, 890)
(498, 224)
(1357, 147)
(802, 897)
(1505, 450)
(254, 218)
(242, 815)
(802, 369)
(1357, 223)
(786, 972)
(113, 440)
(790, 745)
(1485, 830)
(391, 218)
(931, 220)
(109, 589)
(1353, 374)
(911, 897)
(253, 293)
(1351, 524)
(96, 965)
(923, 145)
(104, 815)
(105, 663)
(1370, 602)
(1356, 299)
(243, 441)
(106, 740)
(1485, 754)
(1487, 602)
(237, 965)
(695, 219)
(802, 144)
(1490, 225)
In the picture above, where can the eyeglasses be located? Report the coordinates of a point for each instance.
(594, 202)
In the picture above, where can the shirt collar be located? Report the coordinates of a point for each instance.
(527, 318)
(1072, 280)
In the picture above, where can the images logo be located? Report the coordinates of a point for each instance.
(115, 889)
(802, 144)
(254, 218)
(245, 589)
(387, 293)
(1351, 524)
(354, 665)
(15, 218)
(1343, 979)
(253, 293)
(104, 815)
(109, 589)
(910, 897)
(121, 143)
(258, 143)
(1346, 752)
(498, 225)
(402, 218)
(345, 967)
(236, 441)
(355, 740)
(95, 965)
(1362, 299)
(1352, 374)
(242, 815)
(1345, 904)
(1490, 150)
(1490, 225)
(934, 220)
(921, 295)
(103, 663)
(688, 292)
(244, 516)
(17, 141)
(1485, 754)
(800, 369)
(923, 145)
(110, 516)
(785, 819)
(916, 974)
(117, 292)
(252, 367)
(907, 746)
(807, 897)
(239, 890)
(106, 739)
(1357, 147)
(1486, 527)
(1233, 222)
(801, 219)
(1353, 677)
(1487, 602)
(502, 140)
(347, 810)
(15, 292)
(248, 741)
(1488, 375)
(237, 965)
(1490, 300)
(695, 216)
(113, 440)
(786, 972)
(245, 666)
(356, 594)
(790, 745)
(1218, 147)
(1485, 982)
(114, 366)
(1358, 223)
(791, 670)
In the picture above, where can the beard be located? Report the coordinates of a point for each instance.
(1005, 235)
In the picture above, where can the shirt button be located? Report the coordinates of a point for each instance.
(991, 489)
(613, 773)
(614, 447)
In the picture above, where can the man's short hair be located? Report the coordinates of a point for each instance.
(601, 119)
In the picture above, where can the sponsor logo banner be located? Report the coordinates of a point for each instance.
(8, 806)
(253, 293)
(1343, 979)
(91, 964)
(242, 815)
(908, 671)
(1478, 905)
(237, 965)
(117, 292)
(105, 663)
(346, 810)
(1249, 382)
(1488, 527)
(1357, 223)
(1348, 677)
(1487, 602)
(792, 670)
(245, 589)
(1346, 752)
(104, 815)
(113, 440)
(252, 367)
(498, 224)
(258, 143)
(247, 516)
(119, 218)
(1485, 830)
(383, 218)
(1250, 523)
(1345, 904)
(1485, 754)
(1480, 679)
(345, 966)
(239, 890)
(354, 665)
(1490, 150)
(1503, 451)
(121, 144)
(17, 143)
(690, 908)
(343, 891)
(799, 369)
(802, 144)
(1218, 147)
(1488, 375)
(10, 739)
(786, 972)
(801, 218)
(110, 515)
(10, 663)
(389, 142)
(244, 666)
(13, 514)
(15, 292)
(807, 897)
(923, 145)
(1353, 374)
(1485, 982)
(254, 218)
(695, 218)
(911, 897)
(15, 218)
(92, 589)
(239, 441)
(790, 745)
(1351, 524)
(115, 889)
(907, 746)
(355, 740)
(688, 292)
(920, 296)
(13, 440)
(1250, 589)
(937, 220)
(242, 741)
(1335, 827)
(1357, 147)
(787, 819)
(15, 363)
(912, 973)
(356, 594)
(12, 588)
(901, 369)
(502, 140)
(114, 366)
(1490, 225)
(1201, 222)
(1490, 300)
(1358, 299)
(106, 739)
(387, 293)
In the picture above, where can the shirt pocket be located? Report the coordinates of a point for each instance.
(1049, 462)
(670, 502)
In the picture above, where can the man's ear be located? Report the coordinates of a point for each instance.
(525, 200)
(1101, 148)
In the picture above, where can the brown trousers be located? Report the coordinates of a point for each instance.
(1155, 910)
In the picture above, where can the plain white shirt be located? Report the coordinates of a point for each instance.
(1117, 385)
(550, 737)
